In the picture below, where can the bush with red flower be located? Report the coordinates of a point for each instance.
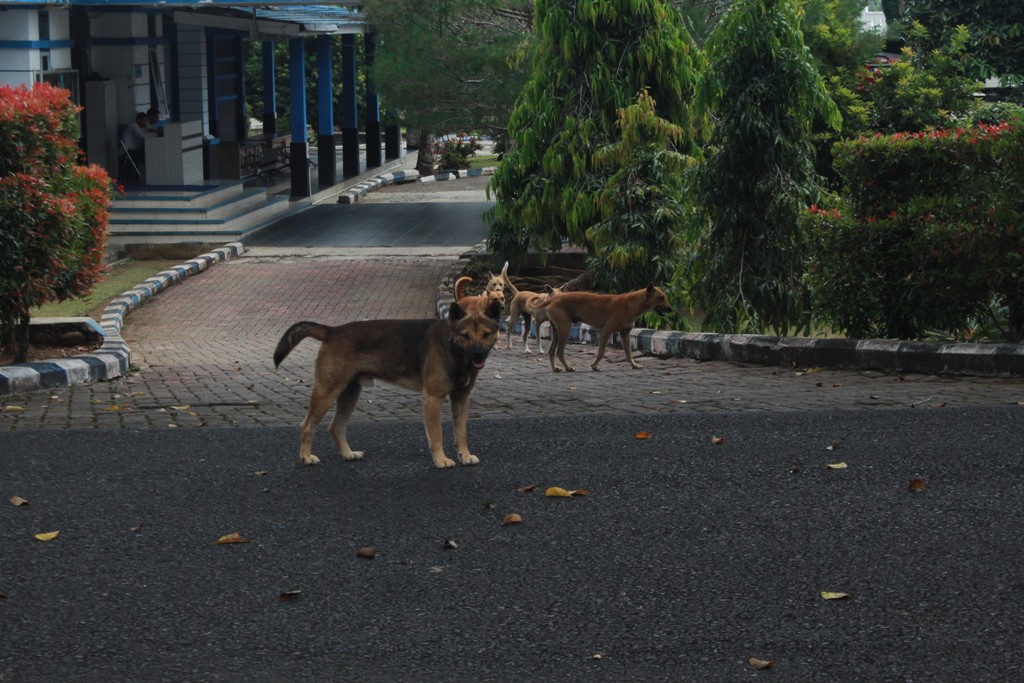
(53, 208)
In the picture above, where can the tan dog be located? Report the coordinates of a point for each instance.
(610, 313)
(493, 290)
(439, 358)
(527, 304)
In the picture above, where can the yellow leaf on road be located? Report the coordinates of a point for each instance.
(557, 492)
(48, 536)
(828, 595)
(18, 501)
(512, 518)
(836, 465)
(642, 435)
(14, 409)
(760, 663)
(233, 538)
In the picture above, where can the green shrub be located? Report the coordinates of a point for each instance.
(928, 239)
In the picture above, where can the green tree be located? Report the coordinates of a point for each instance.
(637, 241)
(591, 59)
(53, 209)
(450, 65)
(763, 91)
(926, 88)
(996, 27)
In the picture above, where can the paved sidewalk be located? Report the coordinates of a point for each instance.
(203, 350)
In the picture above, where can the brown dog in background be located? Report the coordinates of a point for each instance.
(438, 358)
(527, 304)
(610, 313)
(493, 290)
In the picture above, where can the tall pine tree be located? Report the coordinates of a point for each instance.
(764, 92)
(591, 59)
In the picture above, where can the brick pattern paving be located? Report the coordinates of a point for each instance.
(203, 352)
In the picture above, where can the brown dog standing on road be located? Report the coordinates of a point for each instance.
(610, 313)
(527, 304)
(439, 358)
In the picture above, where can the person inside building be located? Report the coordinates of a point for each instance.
(133, 144)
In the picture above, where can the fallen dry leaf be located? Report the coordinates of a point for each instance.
(828, 595)
(288, 596)
(18, 501)
(450, 545)
(48, 536)
(259, 473)
(832, 446)
(233, 538)
(916, 485)
(836, 465)
(718, 440)
(642, 435)
(760, 663)
(557, 492)
(14, 409)
(367, 553)
(512, 518)
(180, 407)
(136, 529)
(938, 405)
(528, 488)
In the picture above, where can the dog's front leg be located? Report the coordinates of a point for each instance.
(628, 348)
(432, 421)
(460, 420)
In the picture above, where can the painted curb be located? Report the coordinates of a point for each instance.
(929, 358)
(357, 192)
(113, 358)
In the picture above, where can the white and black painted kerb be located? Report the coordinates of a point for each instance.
(357, 192)
(113, 358)
(932, 358)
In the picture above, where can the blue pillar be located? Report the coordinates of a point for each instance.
(300, 142)
(349, 108)
(269, 92)
(327, 164)
(373, 158)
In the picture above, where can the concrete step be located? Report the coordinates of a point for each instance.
(228, 228)
(187, 196)
(229, 204)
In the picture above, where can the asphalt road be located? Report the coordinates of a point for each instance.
(686, 558)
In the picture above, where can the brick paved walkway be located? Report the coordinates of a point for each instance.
(203, 352)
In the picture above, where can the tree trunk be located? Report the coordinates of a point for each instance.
(15, 337)
(425, 157)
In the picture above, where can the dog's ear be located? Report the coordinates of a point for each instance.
(651, 289)
(456, 312)
(494, 309)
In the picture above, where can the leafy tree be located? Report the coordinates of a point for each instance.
(591, 59)
(764, 92)
(637, 240)
(449, 66)
(925, 89)
(53, 210)
(996, 27)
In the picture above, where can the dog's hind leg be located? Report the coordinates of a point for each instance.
(343, 412)
(527, 321)
(319, 403)
(460, 419)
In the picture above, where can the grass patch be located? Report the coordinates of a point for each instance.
(483, 160)
(120, 277)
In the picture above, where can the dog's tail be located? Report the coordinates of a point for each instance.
(459, 285)
(297, 333)
(504, 279)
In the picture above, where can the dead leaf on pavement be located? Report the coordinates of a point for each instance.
(259, 473)
(836, 465)
(48, 536)
(829, 595)
(833, 446)
(233, 538)
(642, 435)
(136, 528)
(528, 488)
(559, 492)
(367, 553)
(14, 409)
(450, 545)
(289, 596)
(916, 485)
(718, 440)
(512, 518)
(760, 663)
(18, 501)
(938, 405)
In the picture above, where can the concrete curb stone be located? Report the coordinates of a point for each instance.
(930, 358)
(113, 358)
